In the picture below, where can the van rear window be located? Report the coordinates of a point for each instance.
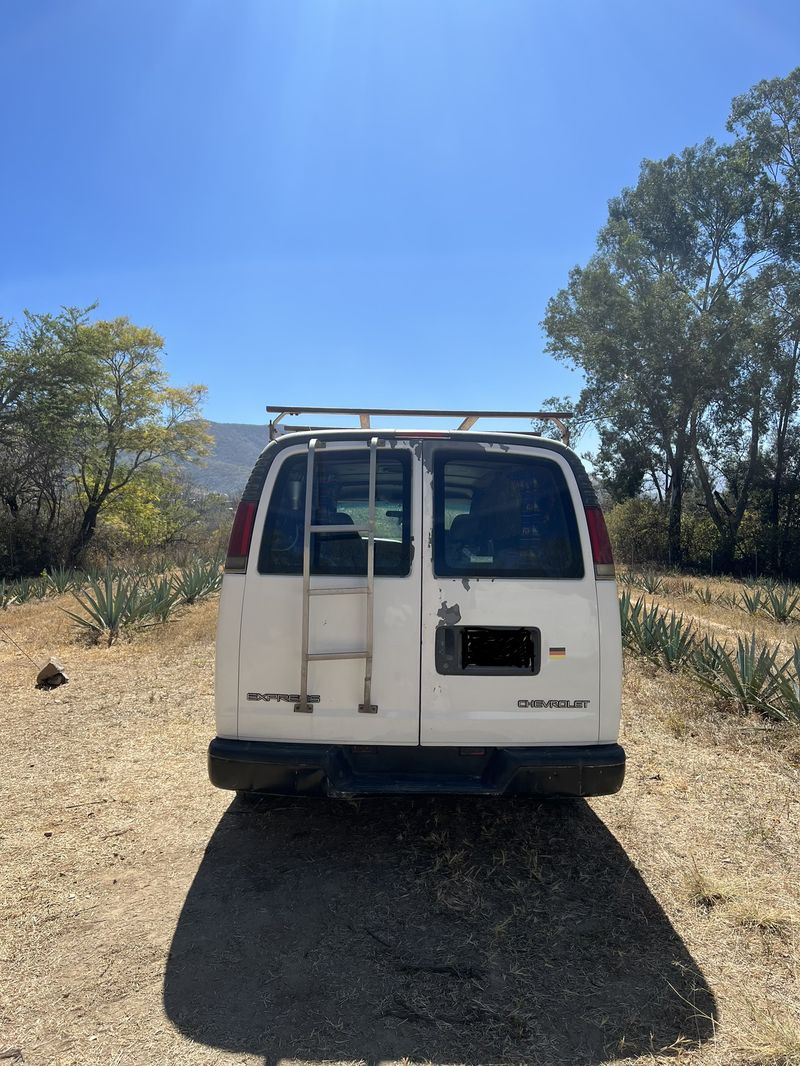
(341, 497)
(500, 515)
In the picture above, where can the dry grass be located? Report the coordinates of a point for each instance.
(147, 919)
(772, 1042)
(707, 890)
(766, 917)
(718, 620)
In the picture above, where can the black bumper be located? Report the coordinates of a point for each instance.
(345, 770)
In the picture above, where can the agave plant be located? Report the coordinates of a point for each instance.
(705, 595)
(661, 636)
(7, 595)
(748, 677)
(752, 602)
(685, 588)
(158, 600)
(60, 580)
(108, 606)
(196, 581)
(678, 641)
(782, 603)
(790, 686)
(641, 630)
(630, 611)
(728, 599)
(651, 582)
(29, 588)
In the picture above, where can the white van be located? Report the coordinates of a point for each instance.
(418, 612)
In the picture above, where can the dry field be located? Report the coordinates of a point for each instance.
(150, 919)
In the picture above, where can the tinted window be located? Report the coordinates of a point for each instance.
(341, 498)
(503, 516)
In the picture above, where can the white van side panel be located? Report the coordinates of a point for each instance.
(226, 680)
(610, 661)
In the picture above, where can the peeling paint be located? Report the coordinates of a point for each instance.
(426, 455)
(449, 616)
(465, 583)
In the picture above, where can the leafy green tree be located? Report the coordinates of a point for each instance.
(767, 121)
(654, 319)
(43, 375)
(638, 531)
(161, 512)
(134, 419)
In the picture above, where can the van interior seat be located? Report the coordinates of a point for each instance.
(464, 536)
(344, 553)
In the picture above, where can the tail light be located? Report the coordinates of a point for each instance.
(602, 555)
(241, 535)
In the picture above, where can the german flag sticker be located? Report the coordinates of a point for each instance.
(557, 653)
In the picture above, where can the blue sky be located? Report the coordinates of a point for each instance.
(346, 201)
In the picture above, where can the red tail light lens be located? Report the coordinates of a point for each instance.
(601, 545)
(241, 535)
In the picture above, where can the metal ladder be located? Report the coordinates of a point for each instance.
(367, 707)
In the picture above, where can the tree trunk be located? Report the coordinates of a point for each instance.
(785, 411)
(677, 464)
(84, 535)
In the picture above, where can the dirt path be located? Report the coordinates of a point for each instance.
(148, 918)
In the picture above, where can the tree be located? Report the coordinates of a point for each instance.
(767, 121)
(654, 320)
(162, 511)
(133, 419)
(43, 374)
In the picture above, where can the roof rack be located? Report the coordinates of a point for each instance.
(468, 418)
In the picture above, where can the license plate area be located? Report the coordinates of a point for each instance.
(488, 650)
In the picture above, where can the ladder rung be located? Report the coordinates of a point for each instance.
(320, 655)
(340, 529)
(362, 590)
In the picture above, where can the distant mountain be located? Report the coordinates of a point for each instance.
(236, 447)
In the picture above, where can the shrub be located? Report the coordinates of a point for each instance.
(638, 531)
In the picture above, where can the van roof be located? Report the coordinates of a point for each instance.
(297, 436)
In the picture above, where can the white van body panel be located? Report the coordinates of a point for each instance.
(610, 661)
(470, 709)
(556, 721)
(270, 647)
(226, 676)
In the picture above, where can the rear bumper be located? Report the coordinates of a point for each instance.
(344, 770)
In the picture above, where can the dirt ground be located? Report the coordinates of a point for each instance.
(148, 918)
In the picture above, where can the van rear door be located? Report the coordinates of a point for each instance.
(272, 611)
(510, 634)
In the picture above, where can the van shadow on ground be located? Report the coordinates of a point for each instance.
(439, 929)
